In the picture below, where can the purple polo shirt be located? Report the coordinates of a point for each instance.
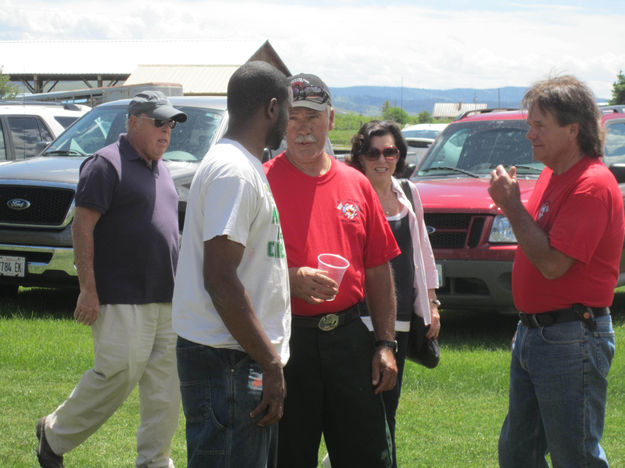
(136, 238)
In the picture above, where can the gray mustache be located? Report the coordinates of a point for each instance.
(305, 139)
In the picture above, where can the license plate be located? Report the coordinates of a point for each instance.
(12, 266)
(439, 269)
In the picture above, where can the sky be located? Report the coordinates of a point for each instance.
(403, 43)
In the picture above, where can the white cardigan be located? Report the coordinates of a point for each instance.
(425, 273)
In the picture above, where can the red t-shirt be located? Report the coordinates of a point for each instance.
(339, 213)
(582, 212)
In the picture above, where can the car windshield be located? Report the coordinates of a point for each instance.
(615, 142)
(432, 134)
(473, 149)
(189, 140)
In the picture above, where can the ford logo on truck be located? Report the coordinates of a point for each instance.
(18, 204)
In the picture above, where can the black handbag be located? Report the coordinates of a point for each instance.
(420, 349)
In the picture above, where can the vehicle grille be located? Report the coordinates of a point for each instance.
(48, 205)
(454, 230)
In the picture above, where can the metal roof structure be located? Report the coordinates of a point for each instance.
(95, 96)
(41, 65)
(206, 80)
(449, 110)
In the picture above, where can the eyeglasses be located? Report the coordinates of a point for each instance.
(159, 123)
(390, 152)
(310, 93)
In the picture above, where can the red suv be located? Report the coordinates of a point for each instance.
(614, 126)
(473, 242)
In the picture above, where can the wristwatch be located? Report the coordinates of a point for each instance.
(436, 302)
(389, 344)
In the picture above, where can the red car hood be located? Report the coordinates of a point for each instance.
(463, 194)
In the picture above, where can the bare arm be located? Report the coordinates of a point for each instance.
(380, 291)
(435, 318)
(88, 304)
(505, 192)
(221, 260)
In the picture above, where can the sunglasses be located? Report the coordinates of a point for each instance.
(159, 123)
(309, 93)
(390, 152)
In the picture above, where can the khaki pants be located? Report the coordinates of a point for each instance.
(133, 344)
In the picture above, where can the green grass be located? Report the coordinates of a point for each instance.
(448, 417)
(342, 138)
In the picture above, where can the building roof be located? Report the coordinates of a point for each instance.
(47, 62)
(93, 57)
(195, 79)
(449, 110)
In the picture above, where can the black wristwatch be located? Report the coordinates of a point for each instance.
(436, 302)
(388, 344)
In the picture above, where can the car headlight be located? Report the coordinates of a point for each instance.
(501, 232)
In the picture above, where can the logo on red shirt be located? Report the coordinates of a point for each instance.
(349, 210)
(543, 211)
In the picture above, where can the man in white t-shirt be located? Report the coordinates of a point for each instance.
(231, 305)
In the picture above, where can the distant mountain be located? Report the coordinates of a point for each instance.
(368, 100)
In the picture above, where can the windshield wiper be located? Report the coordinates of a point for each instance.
(532, 169)
(452, 169)
(535, 170)
(64, 153)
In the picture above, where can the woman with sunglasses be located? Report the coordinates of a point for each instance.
(379, 151)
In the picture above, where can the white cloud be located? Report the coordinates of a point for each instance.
(359, 43)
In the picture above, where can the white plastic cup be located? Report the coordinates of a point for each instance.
(334, 265)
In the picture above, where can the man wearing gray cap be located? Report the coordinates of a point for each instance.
(125, 236)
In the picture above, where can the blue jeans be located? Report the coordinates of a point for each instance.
(557, 399)
(220, 387)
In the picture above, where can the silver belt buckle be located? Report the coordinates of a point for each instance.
(328, 322)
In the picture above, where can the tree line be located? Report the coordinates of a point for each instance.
(7, 90)
(353, 121)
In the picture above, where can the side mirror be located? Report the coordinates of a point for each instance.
(408, 170)
(618, 170)
(41, 145)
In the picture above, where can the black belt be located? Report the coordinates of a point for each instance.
(575, 312)
(327, 322)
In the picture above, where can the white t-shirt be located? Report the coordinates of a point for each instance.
(230, 196)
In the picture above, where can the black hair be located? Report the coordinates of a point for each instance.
(252, 86)
(361, 142)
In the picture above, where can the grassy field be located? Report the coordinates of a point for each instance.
(448, 417)
(342, 138)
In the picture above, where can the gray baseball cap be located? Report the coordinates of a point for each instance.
(155, 104)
